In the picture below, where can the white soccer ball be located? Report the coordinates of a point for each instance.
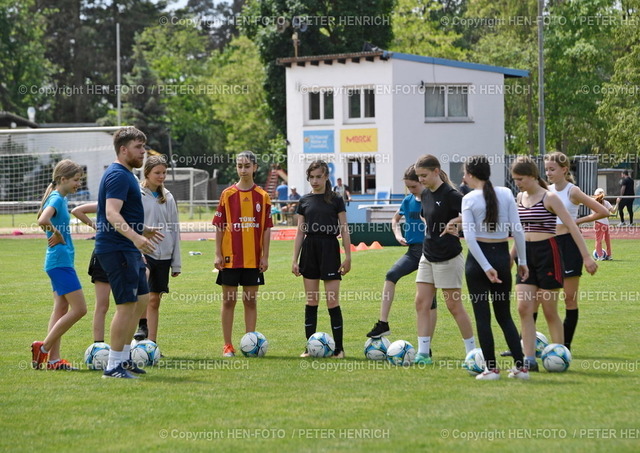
(320, 344)
(254, 344)
(474, 362)
(401, 352)
(541, 343)
(556, 358)
(145, 353)
(376, 348)
(97, 356)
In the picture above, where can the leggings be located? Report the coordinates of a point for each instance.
(481, 290)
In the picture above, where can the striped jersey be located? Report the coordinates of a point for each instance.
(537, 219)
(243, 215)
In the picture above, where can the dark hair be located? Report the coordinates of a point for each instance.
(625, 172)
(150, 164)
(478, 167)
(525, 166)
(316, 164)
(250, 156)
(123, 136)
(431, 162)
(562, 160)
(410, 174)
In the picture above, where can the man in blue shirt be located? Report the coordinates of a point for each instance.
(121, 239)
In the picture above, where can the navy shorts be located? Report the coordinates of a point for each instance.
(96, 271)
(240, 277)
(544, 261)
(127, 275)
(64, 280)
(571, 256)
(158, 274)
(406, 264)
(320, 258)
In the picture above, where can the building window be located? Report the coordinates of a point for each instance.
(362, 175)
(361, 103)
(321, 105)
(442, 102)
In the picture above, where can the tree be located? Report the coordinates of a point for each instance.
(333, 27)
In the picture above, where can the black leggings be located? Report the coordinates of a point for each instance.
(481, 289)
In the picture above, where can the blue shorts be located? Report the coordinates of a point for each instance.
(127, 275)
(64, 280)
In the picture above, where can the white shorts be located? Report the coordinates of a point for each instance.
(443, 274)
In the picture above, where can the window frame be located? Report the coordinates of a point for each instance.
(363, 98)
(446, 90)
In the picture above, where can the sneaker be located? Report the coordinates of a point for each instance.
(131, 366)
(338, 355)
(532, 366)
(380, 329)
(61, 365)
(305, 354)
(38, 358)
(519, 373)
(608, 258)
(141, 334)
(506, 354)
(422, 359)
(118, 372)
(228, 351)
(489, 375)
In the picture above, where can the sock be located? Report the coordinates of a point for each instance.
(142, 322)
(469, 343)
(53, 362)
(529, 359)
(310, 319)
(424, 345)
(98, 341)
(335, 314)
(126, 352)
(535, 316)
(570, 324)
(43, 350)
(114, 359)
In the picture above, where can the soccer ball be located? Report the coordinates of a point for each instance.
(556, 358)
(145, 353)
(474, 362)
(600, 258)
(376, 348)
(97, 356)
(401, 352)
(320, 344)
(541, 343)
(254, 344)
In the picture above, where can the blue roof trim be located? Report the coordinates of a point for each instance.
(508, 72)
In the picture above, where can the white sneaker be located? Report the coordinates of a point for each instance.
(519, 373)
(489, 375)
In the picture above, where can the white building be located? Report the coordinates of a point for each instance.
(371, 114)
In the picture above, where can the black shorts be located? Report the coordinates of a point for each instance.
(96, 271)
(158, 274)
(240, 277)
(406, 264)
(320, 258)
(544, 261)
(571, 257)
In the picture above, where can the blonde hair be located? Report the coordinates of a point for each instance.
(151, 163)
(562, 160)
(64, 169)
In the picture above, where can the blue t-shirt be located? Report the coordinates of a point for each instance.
(283, 192)
(119, 183)
(61, 255)
(413, 227)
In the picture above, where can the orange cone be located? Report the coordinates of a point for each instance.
(362, 246)
(375, 246)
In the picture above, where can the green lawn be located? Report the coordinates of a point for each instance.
(194, 400)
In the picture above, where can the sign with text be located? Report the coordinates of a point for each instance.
(358, 140)
(318, 142)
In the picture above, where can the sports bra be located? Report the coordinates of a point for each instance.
(537, 218)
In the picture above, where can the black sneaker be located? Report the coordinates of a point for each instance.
(506, 353)
(380, 329)
(141, 334)
(531, 366)
(130, 365)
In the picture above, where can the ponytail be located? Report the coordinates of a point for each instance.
(328, 192)
(44, 198)
(491, 200)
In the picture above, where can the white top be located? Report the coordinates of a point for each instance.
(164, 215)
(564, 195)
(473, 214)
(605, 220)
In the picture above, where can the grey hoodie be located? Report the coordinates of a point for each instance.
(164, 215)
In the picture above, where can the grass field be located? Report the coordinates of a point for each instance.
(196, 401)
